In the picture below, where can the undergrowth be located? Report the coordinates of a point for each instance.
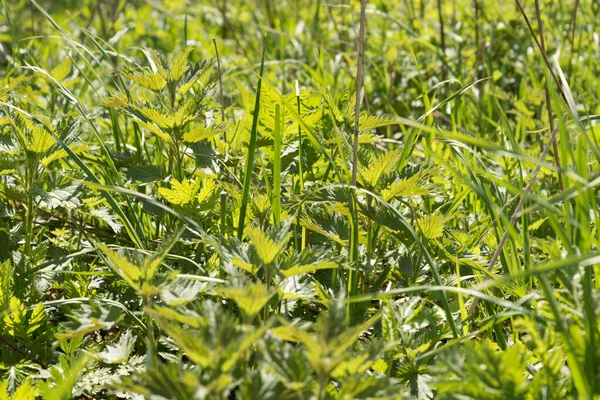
(228, 199)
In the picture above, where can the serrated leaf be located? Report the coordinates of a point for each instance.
(250, 299)
(207, 190)
(372, 121)
(111, 220)
(36, 318)
(179, 64)
(61, 71)
(151, 80)
(120, 351)
(180, 193)
(41, 141)
(406, 187)
(90, 318)
(124, 268)
(61, 153)
(370, 174)
(154, 129)
(380, 366)
(431, 226)
(65, 196)
(266, 248)
(310, 268)
(199, 133)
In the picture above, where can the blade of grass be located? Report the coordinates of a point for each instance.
(251, 150)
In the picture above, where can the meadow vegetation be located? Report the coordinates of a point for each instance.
(247, 199)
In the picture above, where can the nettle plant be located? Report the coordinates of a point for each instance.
(171, 104)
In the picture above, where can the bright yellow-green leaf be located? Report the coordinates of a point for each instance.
(431, 226)
(351, 366)
(36, 319)
(207, 190)
(61, 153)
(304, 269)
(125, 269)
(380, 366)
(61, 71)
(151, 80)
(17, 312)
(25, 391)
(154, 129)
(406, 187)
(266, 248)
(179, 64)
(198, 133)
(250, 299)
(251, 269)
(180, 193)
(372, 121)
(370, 174)
(41, 140)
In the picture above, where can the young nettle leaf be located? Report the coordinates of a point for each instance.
(128, 271)
(370, 174)
(41, 141)
(119, 352)
(150, 80)
(487, 373)
(64, 379)
(179, 64)
(104, 214)
(61, 71)
(76, 148)
(25, 391)
(181, 292)
(266, 248)
(90, 318)
(310, 260)
(140, 271)
(61, 196)
(213, 339)
(198, 133)
(405, 187)
(181, 193)
(250, 298)
(431, 226)
(20, 322)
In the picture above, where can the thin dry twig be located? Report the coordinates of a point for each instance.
(548, 101)
(442, 38)
(517, 212)
(22, 352)
(359, 76)
(549, 144)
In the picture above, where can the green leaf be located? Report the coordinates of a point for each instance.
(180, 193)
(120, 351)
(151, 80)
(266, 248)
(250, 299)
(90, 318)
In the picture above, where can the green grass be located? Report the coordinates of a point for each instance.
(195, 204)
